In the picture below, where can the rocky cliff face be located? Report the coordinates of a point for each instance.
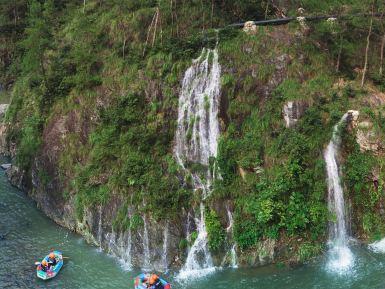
(94, 117)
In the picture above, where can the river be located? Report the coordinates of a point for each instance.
(32, 235)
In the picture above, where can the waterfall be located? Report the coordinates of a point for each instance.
(340, 255)
(198, 128)
(146, 247)
(100, 230)
(234, 258)
(196, 142)
(165, 246)
(125, 250)
(199, 262)
(229, 229)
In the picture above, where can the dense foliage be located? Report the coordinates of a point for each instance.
(104, 78)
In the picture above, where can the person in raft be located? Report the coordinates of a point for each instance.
(52, 259)
(44, 266)
(154, 282)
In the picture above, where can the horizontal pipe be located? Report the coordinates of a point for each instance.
(286, 20)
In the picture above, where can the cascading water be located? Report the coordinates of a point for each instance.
(234, 258)
(100, 229)
(125, 250)
(229, 229)
(196, 142)
(340, 255)
(146, 247)
(198, 128)
(199, 262)
(165, 246)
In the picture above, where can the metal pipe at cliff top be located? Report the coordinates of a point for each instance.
(286, 20)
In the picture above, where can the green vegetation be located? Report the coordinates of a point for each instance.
(94, 93)
(215, 231)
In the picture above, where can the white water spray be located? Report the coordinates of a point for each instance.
(229, 229)
(100, 230)
(165, 246)
(234, 258)
(196, 142)
(199, 262)
(146, 247)
(198, 128)
(125, 251)
(378, 246)
(340, 256)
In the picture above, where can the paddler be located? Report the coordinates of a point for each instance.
(52, 259)
(155, 282)
(44, 266)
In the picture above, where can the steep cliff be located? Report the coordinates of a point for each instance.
(93, 127)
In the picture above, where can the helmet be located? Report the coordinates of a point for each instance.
(44, 262)
(153, 279)
(51, 255)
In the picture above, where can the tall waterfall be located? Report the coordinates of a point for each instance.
(340, 255)
(196, 142)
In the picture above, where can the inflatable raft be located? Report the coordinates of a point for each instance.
(140, 282)
(53, 271)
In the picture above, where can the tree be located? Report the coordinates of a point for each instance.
(38, 37)
(367, 48)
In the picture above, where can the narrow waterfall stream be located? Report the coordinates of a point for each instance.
(165, 246)
(146, 247)
(125, 250)
(196, 142)
(100, 229)
(340, 255)
(230, 232)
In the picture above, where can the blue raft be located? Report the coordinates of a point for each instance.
(140, 282)
(53, 271)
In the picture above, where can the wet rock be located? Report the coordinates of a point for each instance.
(16, 177)
(293, 111)
(264, 253)
(367, 138)
(353, 117)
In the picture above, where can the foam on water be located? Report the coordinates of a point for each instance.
(378, 246)
(340, 259)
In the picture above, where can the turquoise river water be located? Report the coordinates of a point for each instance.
(31, 235)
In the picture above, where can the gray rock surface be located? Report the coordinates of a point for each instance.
(3, 109)
(292, 112)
